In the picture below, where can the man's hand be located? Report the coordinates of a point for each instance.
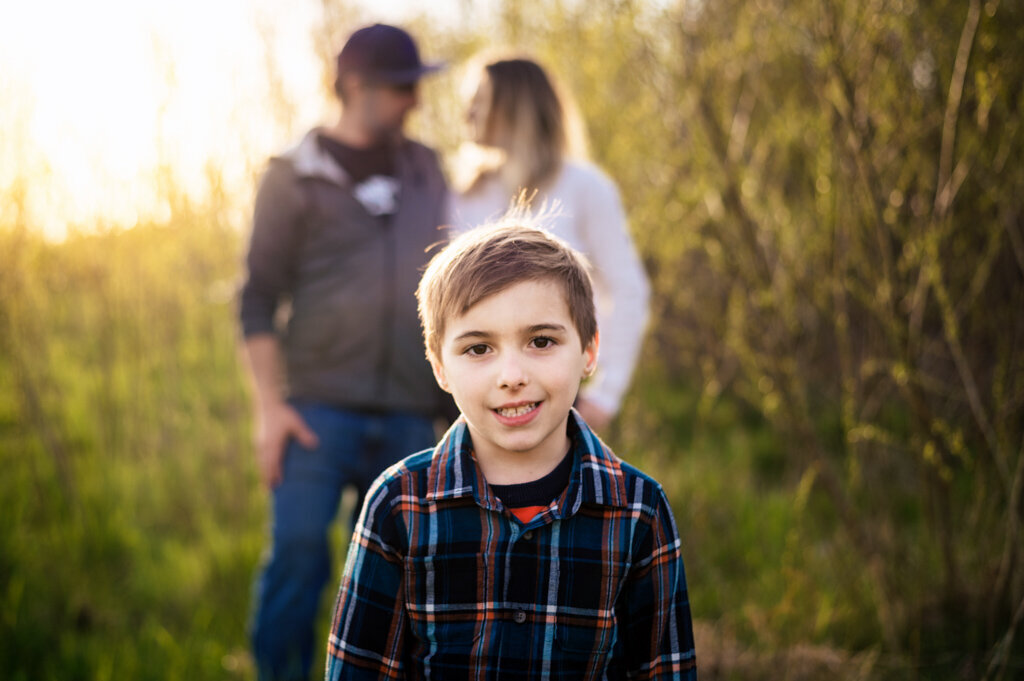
(278, 422)
(596, 417)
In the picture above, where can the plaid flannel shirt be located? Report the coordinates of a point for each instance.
(442, 582)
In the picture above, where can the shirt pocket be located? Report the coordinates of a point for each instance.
(583, 646)
(589, 584)
(586, 635)
(443, 600)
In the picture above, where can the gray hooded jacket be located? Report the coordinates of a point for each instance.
(335, 276)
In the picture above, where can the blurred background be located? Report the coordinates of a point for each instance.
(826, 195)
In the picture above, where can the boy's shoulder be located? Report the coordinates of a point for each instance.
(637, 483)
(633, 473)
(610, 479)
(434, 472)
(411, 467)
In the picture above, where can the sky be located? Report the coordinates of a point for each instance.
(100, 99)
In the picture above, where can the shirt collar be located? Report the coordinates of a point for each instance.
(596, 476)
(309, 160)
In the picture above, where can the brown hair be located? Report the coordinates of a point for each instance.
(487, 260)
(532, 121)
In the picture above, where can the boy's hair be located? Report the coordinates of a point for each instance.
(490, 258)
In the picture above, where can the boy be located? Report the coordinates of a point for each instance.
(520, 547)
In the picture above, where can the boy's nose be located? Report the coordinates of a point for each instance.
(512, 374)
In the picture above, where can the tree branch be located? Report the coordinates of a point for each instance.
(944, 187)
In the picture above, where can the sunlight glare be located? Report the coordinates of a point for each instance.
(115, 108)
(119, 93)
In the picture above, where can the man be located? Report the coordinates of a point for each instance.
(341, 227)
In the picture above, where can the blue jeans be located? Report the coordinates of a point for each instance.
(354, 448)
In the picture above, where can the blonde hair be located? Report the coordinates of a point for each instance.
(489, 259)
(533, 125)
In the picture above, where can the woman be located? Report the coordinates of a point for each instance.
(522, 146)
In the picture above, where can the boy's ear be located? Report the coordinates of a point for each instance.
(439, 376)
(591, 353)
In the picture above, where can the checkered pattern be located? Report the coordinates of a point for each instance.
(442, 582)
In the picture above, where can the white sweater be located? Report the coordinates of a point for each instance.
(588, 214)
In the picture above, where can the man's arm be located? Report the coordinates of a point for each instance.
(654, 610)
(276, 420)
(368, 636)
(273, 250)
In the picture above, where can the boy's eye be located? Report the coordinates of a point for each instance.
(476, 350)
(542, 342)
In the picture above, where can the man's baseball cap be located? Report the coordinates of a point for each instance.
(383, 55)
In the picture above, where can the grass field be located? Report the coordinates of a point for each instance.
(133, 517)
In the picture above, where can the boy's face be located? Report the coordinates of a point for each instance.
(514, 362)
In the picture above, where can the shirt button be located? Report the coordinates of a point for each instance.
(520, 616)
(528, 534)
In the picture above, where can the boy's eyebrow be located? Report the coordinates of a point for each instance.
(546, 327)
(470, 334)
(536, 328)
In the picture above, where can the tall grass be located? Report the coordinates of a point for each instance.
(132, 517)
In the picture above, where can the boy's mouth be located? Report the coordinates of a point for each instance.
(519, 410)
